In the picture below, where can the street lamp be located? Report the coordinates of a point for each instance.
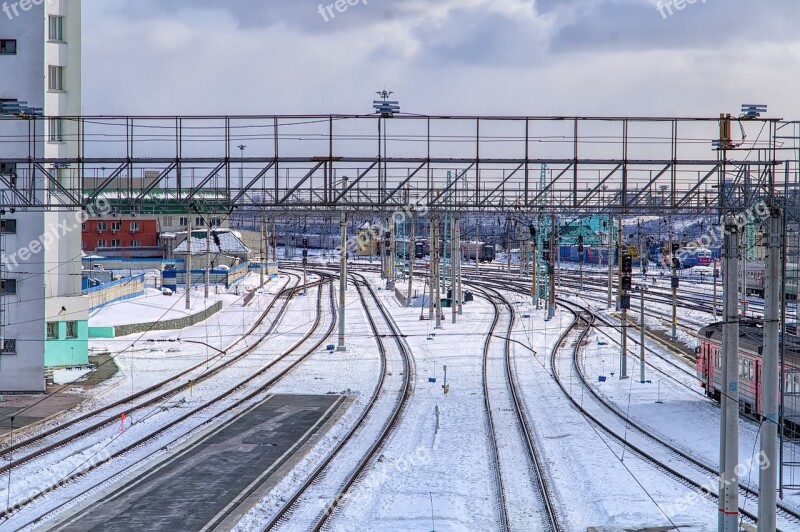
(241, 166)
(385, 108)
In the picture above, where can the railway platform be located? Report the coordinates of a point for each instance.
(212, 480)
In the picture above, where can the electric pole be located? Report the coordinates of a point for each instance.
(768, 474)
(342, 280)
(729, 399)
(188, 263)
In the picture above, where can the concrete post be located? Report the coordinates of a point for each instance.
(392, 250)
(768, 474)
(412, 252)
(729, 425)
(431, 267)
(264, 251)
(714, 304)
(458, 263)
(453, 252)
(383, 251)
(610, 262)
(534, 283)
(437, 294)
(274, 242)
(188, 262)
(551, 303)
(642, 289)
(674, 303)
(208, 260)
(342, 281)
(623, 358)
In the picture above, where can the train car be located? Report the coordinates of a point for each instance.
(754, 276)
(709, 369)
(421, 249)
(703, 257)
(599, 255)
(482, 251)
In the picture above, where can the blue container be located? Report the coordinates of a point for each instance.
(601, 378)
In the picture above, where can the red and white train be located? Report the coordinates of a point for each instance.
(709, 369)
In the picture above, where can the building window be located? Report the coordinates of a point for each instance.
(184, 221)
(56, 28)
(72, 329)
(83, 244)
(52, 330)
(167, 221)
(134, 227)
(115, 226)
(56, 127)
(199, 221)
(8, 47)
(101, 226)
(114, 243)
(136, 244)
(101, 243)
(8, 227)
(9, 347)
(83, 227)
(55, 79)
(8, 286)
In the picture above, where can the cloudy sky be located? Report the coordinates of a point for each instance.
(531, 57)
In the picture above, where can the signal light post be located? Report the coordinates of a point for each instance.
(675, 283)
(626, 269)
(342, 281)
(580, 259)
(551, 308)
(305, 266)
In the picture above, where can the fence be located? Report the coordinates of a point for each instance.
(172, 278)
(119, 290)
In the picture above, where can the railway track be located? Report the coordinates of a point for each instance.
(632, 341)
(511, 411)
(111, 413)
(250, 390)
(317, 486)
(699, 472)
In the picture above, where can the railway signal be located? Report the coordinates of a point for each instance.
(627, 264)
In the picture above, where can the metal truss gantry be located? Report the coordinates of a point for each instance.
(620, 166)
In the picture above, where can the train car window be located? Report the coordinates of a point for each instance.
(792, 386)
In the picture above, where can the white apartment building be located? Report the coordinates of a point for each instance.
(44, 318)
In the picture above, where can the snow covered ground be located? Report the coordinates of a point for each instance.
(437, 463)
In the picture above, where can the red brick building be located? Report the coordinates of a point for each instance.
(113, 232)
